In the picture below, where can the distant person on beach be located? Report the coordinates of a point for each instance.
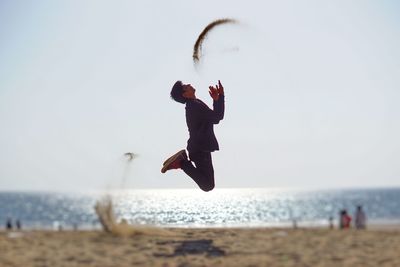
(344, 220)
(360, 218)
(9, 225)
(18, 224)
(200, 120)
(330, 222)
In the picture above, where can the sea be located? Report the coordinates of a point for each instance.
(235, 207)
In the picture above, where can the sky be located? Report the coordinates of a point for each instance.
(312, 91)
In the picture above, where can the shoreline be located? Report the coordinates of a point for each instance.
(374, 224)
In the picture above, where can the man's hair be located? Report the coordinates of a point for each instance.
(177, 92)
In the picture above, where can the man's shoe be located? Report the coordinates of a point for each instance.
(174, 162)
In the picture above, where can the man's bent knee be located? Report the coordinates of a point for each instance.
(207, 188)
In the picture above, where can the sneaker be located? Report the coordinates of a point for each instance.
(181, 152)
(174, 162)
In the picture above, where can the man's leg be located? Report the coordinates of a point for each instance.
(203, 173)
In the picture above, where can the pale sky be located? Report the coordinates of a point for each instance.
(312, 92)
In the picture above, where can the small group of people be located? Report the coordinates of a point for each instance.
(9, 224)
(360, 219)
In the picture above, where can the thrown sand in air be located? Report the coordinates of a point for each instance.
(105, 211)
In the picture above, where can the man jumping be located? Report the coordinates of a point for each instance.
(200, 120)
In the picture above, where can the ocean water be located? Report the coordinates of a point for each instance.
(194, 208)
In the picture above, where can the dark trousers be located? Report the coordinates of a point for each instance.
(203, 172)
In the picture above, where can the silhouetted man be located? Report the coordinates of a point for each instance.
(200, 120)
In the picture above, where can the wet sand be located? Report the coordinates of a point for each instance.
(203, 247)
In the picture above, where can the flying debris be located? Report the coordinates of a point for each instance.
(199, 42)
(130, 156)
(105, 212)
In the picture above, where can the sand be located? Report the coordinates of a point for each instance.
(203, 247)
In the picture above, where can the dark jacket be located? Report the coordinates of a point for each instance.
(200, 120)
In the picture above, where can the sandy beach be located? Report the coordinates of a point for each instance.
(202, 247)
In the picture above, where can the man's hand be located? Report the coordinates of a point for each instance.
(213, 93)
(216, 91)
(220, 88)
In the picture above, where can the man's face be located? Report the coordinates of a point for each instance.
(189, 91)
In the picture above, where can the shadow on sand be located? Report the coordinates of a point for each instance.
(192, 247)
